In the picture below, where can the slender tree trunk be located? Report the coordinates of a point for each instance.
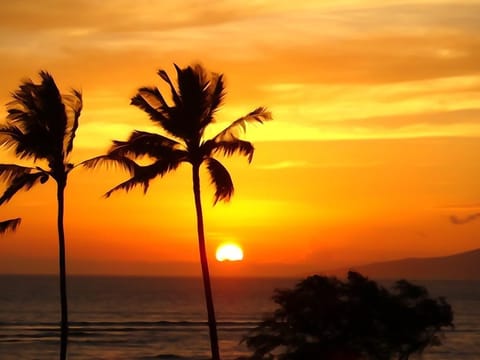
(212, 323)
(63, 272)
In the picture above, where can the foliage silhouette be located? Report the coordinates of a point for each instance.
(325, 318)
(9, 225)
(195, 100)
(41, 126)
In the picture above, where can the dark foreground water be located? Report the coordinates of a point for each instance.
(131, 318)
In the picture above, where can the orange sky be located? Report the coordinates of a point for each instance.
(374, 143)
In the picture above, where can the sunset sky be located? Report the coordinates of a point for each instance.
(374, 145)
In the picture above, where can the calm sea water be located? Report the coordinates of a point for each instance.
(132, 318)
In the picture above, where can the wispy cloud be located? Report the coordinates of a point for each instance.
(285, 165)
(464, 220)
(289, 164)
(461, 207)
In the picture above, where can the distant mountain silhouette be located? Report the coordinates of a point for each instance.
(461, 266)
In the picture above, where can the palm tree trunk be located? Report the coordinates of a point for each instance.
(63, 272)
(212, 323)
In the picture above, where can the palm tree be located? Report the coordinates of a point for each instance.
(9, 225)
(195, 101)
(41, 125)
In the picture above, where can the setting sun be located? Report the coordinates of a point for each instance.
(229, 252)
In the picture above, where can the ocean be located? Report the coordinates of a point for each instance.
(147, 318)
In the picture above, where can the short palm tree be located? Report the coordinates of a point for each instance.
(195, 100)
(9, 225)
(41, 126)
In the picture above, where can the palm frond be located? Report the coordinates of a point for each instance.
(164, 166)
(10, 135)
(23, 182)
(221, 179)
(215, 98)
(156, 96)
(129, 185)
(25, 145)
(110, 161)
(142, 175)
(163, 74)
(229, 148)
(141, 100)
(9, 225)
(75, 104)
(8, 172)
(142, 143)
(259, 115)
(152, 102)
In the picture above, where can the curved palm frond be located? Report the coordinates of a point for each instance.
(9, 225)
(231, 132)
(142, 143)
(25, 145)
(229, 148)
(164, 75)
(8, 172)
(129, 185)
(163, 149)
(150, 100)
(109, 161)
(24, 181)
(75, 105)
(142, 175)
(221, 180)
(215, 98)
(10, 136)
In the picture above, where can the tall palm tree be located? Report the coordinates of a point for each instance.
(41, 126)
(195, 100)
(9, 225)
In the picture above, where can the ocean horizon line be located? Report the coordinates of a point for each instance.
(172, 276)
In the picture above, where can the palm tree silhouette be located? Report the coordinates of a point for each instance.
(41, 125)
(9, 225)
(195, 101)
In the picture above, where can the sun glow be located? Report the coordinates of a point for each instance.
(229, 252)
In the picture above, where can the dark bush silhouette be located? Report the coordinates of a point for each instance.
(325, 318)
